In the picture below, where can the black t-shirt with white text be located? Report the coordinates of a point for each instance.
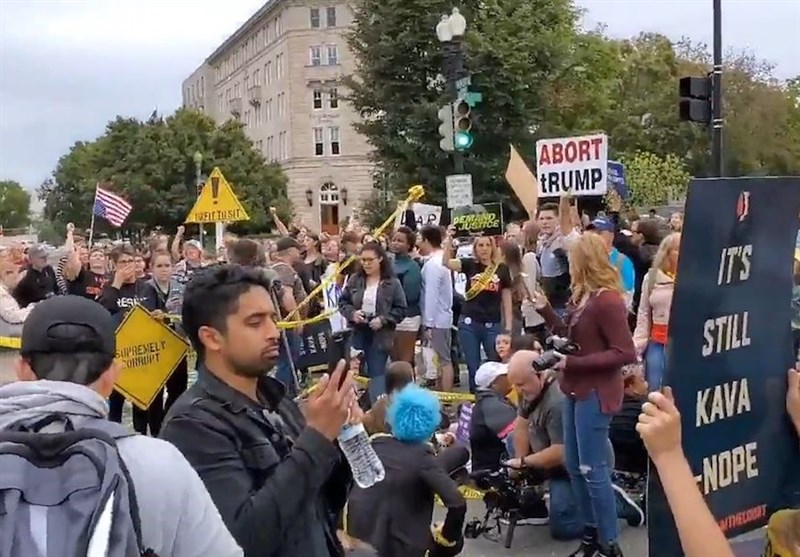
(485, 306)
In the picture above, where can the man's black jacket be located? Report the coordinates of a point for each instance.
(277, 484)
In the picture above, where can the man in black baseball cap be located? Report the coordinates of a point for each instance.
(66, 371)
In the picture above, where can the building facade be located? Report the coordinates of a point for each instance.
(281, 75)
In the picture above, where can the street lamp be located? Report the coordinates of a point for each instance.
(451, 26)
(198, 181)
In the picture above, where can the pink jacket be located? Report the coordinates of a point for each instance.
(654, 307)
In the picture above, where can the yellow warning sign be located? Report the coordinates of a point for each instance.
(217, 202)
(149, 352)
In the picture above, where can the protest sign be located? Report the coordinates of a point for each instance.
(314, 342)
(576, 164)
(522, 181)
(728, 353)
(486, 219)
(217, 202)
(616, 179)
(330, 296)
(423, 215)
(459, 190)
(149, 352)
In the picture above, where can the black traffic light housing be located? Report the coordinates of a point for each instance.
(695, 99)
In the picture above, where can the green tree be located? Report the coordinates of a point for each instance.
(655, 180)
(151, 165)
(15, 204)
(512, 50)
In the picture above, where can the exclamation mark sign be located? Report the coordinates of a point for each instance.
(215, 189)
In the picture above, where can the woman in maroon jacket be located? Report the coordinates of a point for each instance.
(592, 381)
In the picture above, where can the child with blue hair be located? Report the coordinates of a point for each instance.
(394, 516)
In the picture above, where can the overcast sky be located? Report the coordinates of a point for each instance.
(69, 66)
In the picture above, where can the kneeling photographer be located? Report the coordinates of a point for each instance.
(538, 441)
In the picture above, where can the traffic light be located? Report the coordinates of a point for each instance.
(695, 99)
(462, 124)
(445, 114)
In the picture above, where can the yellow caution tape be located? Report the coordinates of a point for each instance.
(281, 324)
(10, 342)
(454, 396)
(414, 193)
(469, 493)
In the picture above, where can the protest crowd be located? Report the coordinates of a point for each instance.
(526, 366)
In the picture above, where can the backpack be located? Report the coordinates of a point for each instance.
(67, 494)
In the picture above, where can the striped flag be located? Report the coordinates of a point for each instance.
(111, 207)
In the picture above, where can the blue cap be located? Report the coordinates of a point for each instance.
(601, 223)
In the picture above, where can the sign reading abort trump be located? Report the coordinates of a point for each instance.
(576, 164)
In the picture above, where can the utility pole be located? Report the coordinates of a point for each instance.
(717, 121)
(450, 31)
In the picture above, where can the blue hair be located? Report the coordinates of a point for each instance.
(414, 414)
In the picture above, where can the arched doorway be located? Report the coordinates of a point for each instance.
(329, 208)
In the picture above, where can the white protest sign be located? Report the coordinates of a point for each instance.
(460, 279)
(577, 164)
(423, 215)
(330, 296)
(459, 190)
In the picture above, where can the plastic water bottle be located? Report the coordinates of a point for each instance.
(367, 468)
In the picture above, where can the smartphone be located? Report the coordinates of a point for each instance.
(339, 349)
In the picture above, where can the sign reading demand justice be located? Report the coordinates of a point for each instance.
(728, 353)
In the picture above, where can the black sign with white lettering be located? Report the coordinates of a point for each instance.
(486, 219)
(314, 347)
(729, 351)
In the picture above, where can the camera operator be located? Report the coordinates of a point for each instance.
(492, 417)
(539, 440)
(591, 378)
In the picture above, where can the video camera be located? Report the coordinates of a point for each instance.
(555, 345)
(505, 496)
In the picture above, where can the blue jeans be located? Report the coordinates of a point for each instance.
(283, 369)
(654, 364)
(586, 457)
(375, 358)
(471, 336)
(565, 518)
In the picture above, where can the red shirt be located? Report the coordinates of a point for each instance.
(606, 345)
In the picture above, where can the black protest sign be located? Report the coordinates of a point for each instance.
(486, 219)
(728, 353)
(314, 347)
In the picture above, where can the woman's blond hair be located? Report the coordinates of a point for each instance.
(590, 268)
(497, 256)
(669, 243)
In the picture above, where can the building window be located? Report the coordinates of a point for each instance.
(257, 77)
(265, 34)
(269, 111)
(331, 16)
(270, 148)
(278, 67)
(334, 137)
(317, 99)
(329, 194)
(314, 18)
(278, 26)
(315, 55)
(268, 72)
(283, 146)
(333, 55)
(333, 98)
(319, 142)
(281, 105)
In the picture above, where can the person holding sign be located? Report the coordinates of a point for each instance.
(487, 310)
(596, 326)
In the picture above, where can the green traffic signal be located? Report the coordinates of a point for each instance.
(463, 140)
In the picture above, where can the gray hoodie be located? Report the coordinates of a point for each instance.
(178, 517)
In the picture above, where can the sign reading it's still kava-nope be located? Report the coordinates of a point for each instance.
(572, 164)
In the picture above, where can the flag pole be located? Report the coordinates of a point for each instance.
(91, 224)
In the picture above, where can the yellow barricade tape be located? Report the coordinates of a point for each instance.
(10, 342)
(469, 493)
(414, 193)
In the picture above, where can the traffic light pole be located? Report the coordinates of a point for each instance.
(453, 68)
(716, 101)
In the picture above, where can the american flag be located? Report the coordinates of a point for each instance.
(111, 207)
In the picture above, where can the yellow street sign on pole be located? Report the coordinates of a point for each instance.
(149, 352)
(217, 202)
